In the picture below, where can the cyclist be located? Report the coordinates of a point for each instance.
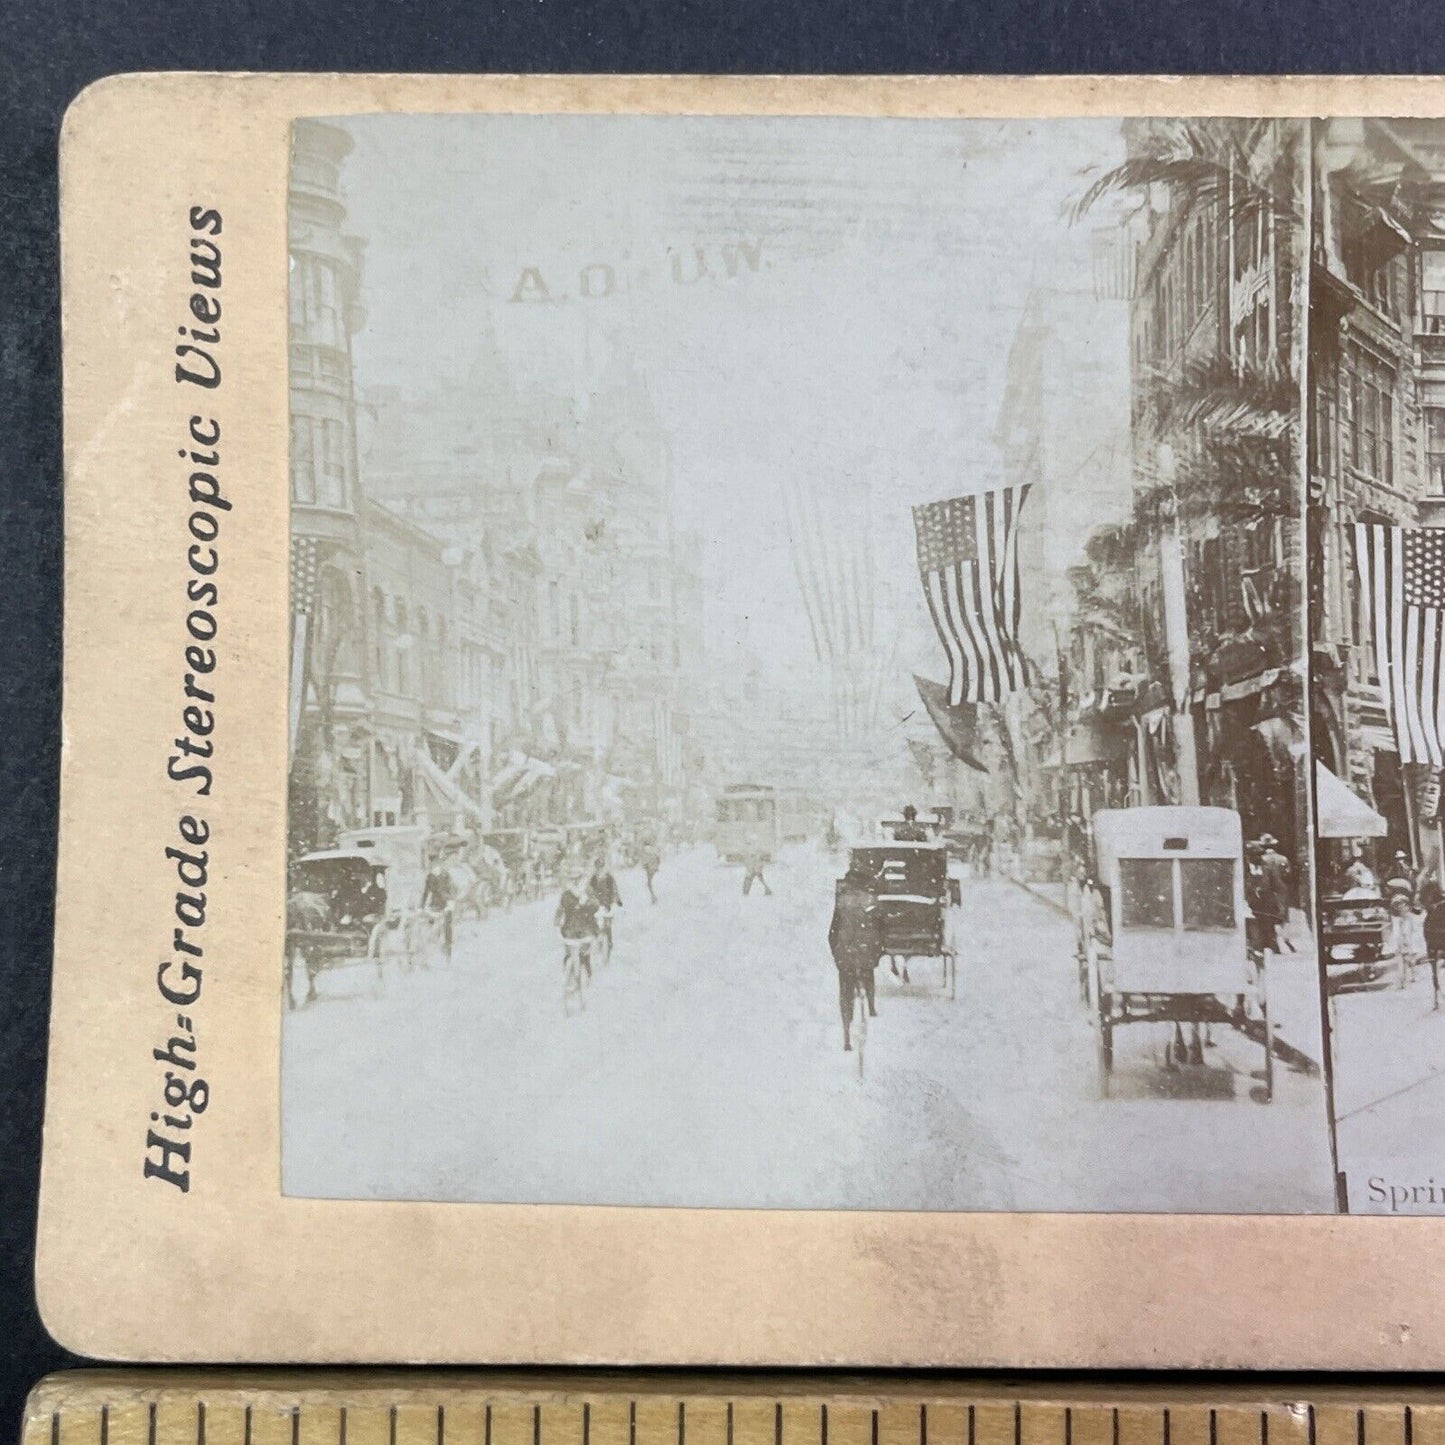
(439, 896)
(576, 919)
(602, 890)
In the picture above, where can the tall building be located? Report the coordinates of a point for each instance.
(331, 762)
(1063, 429)
(1376, 427)
(400, 645)
(571, 500)
(1216, 355)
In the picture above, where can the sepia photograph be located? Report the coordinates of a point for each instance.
(799, 653)
(1377, 623)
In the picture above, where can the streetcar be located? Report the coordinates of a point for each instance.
(1169, 944)
(747, 823)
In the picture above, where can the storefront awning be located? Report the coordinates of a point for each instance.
(1343, 814)
(444, 787)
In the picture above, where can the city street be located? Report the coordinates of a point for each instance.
(707, 1069)
(1389, 1050)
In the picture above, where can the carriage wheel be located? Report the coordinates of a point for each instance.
(1106, 1043)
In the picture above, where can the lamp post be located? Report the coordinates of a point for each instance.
(1176, 634)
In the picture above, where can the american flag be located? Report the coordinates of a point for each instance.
(1402, 579)
(305, 567)
(968, 560)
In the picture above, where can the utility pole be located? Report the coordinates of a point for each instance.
(1176, 635)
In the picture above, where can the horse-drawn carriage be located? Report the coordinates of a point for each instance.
(914, 892)
(1167, 942)
(362, 903)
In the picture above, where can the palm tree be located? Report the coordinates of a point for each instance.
(1236, 420)
(1203, 165)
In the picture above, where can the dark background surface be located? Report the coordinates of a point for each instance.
(48, 53)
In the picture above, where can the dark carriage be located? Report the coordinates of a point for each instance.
(336, 902)
(914, 892)
(1360, 944)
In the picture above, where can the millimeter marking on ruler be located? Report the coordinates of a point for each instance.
(117, 1408)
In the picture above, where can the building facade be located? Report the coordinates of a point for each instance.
(1186, 651)
(495, 622)
(1063, 429)
(1376, 431)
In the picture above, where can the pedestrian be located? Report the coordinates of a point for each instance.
(1077, 900)
(1268, 907)
(1076, 843)
(754, 864)
(1276, 873)
(651, 862)
(1401, 871)
(856, 942)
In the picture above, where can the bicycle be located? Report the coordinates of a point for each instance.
(437, 934)
(573, 978)
(604, 936)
